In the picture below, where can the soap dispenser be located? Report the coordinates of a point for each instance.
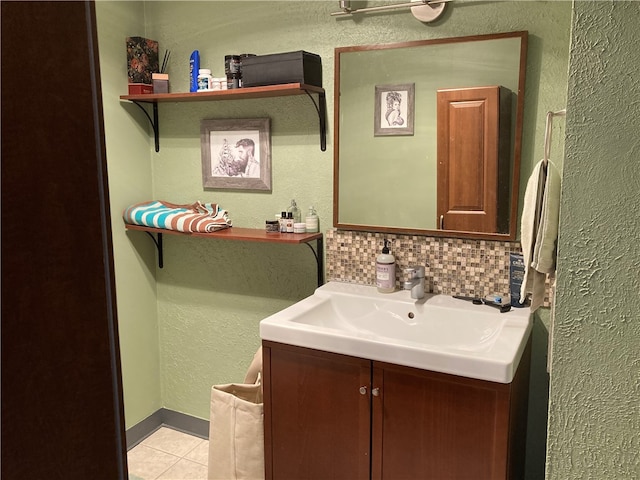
(386, 270)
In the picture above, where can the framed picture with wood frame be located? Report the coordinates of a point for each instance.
(236, 153)
(394, 109)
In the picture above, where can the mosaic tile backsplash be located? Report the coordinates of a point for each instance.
(453, 266)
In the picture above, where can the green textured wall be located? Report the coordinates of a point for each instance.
(211, 295)
(594, 418)
(130, 180)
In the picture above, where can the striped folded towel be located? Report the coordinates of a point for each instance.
(197, 217)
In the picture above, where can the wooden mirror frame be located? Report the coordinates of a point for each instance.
(517, 139)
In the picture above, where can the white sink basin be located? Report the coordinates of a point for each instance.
(437, 333)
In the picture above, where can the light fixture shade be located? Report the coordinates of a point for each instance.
(427, 12)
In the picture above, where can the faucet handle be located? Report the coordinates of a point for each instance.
(415, 271)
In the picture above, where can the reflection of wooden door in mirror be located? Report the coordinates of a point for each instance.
(473, 159)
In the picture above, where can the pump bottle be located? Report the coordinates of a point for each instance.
(386, 270)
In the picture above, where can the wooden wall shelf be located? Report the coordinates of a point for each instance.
(268, 91)
(232, 94)
(245, 235)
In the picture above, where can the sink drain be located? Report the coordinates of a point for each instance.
(410, 315)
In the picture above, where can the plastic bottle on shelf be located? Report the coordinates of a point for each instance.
(194, 68)
(290, 222)
(205, 80)
(283, 222)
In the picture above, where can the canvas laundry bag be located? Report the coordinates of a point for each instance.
(236, 428)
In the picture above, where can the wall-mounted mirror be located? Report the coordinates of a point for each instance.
(463, 99)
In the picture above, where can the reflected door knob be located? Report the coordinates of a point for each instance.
(375, 392)
(363, 390)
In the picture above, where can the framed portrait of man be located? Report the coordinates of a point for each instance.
(236, 153)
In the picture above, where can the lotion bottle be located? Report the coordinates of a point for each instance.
(386, 270)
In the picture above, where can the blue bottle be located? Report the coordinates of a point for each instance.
(194, 66)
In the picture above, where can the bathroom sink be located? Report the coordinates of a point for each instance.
(437, 333)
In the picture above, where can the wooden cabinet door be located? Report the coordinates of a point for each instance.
(433, 426)
(330, 416)
(317, 420)
(473, 159)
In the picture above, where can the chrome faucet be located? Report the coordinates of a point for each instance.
(415, 281)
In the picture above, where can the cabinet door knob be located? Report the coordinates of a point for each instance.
(375, 392)
(363, 390)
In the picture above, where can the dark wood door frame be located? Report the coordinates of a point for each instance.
(62, 412)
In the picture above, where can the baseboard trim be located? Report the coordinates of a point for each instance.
(185, 423)
(166, 418)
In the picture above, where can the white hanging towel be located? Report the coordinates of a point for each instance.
(539, 230)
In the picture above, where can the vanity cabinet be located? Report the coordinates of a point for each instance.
(340, 417)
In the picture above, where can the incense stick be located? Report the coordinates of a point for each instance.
(165, 61)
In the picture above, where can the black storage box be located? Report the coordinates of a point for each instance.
(279, 68)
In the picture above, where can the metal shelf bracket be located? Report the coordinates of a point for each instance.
(154, 121)
(318, 253)
(321, 108)
(158, 242)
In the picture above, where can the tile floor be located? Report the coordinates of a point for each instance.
(168, 454)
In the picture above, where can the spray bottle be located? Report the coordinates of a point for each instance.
(194, 68)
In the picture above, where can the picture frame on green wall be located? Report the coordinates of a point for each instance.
(236, 153)
(394, 107)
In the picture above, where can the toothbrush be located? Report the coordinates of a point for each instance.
(480, 301)
(501, 307)
(474, 300)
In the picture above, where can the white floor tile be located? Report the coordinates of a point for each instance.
(171, 441)
(200, 454)
(185, 470)
(148, 463)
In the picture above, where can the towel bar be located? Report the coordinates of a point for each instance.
(547, 133)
